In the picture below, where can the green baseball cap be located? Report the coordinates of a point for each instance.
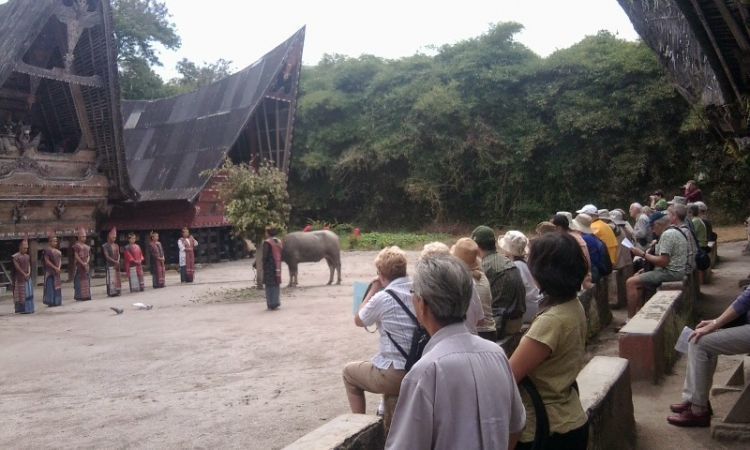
(661, 205)
(483, 236)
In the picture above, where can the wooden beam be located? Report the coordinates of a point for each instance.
(268, 132)
(279, 161)
(715, 47)
(288, 137)
(257, 133)
(58, 74)
(734, 27)
(83, 118)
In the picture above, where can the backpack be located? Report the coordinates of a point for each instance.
(702, 259)
(419, 338)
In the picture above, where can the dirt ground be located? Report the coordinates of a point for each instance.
(207, 367)
(210, 367)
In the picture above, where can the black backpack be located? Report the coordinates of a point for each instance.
(418, 340)
(702, 259)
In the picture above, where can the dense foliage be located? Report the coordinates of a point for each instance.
(487, 131)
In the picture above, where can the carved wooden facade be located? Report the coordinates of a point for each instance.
(61, 151)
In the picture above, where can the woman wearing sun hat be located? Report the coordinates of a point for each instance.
(513, 245)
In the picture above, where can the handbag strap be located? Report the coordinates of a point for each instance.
(413, 317)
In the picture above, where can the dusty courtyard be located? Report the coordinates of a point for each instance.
(210, 367)
(207, 367)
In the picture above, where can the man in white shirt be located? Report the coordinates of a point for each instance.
(461, 393)
(384, 372)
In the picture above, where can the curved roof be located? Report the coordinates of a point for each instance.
(170, 142)
(21, 22)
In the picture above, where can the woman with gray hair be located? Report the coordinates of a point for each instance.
(461, 393)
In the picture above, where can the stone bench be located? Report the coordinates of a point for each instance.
(690, 288)
(648, 339)
(595, 303)
(345, 432)
(714, 256)
(604, 388)
(618, 296)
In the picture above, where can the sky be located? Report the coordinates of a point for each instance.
(244, 30)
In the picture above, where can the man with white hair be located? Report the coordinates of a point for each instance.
(642, 228)
(461, 393)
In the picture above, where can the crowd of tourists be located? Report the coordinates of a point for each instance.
(130, 258)
(440, 328)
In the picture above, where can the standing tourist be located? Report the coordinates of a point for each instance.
(157, 260)
(513, 244)
(461, 393)
(272, 248)
(134, 264)
(389, 307)
(506, 284)
(187, 246)
(467, 251)
(692, 192)
(551, 353)
(23, 287)
(112, 258)
(52, 268)
(82, 277)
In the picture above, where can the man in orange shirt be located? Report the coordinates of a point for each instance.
(602, 231)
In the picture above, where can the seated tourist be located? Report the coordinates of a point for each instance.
(699, 227)
(669, 260)
(623, 231)
(461, 393)
(562, 221)
(596, 248)
(513, 245)
(508, 293)
(551, 353)
(708, 341)
(678, 215)
(642, 228)
(703, 210)
(658, 202)
(383, 373)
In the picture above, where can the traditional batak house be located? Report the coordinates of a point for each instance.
(171, 142)
(61, 150)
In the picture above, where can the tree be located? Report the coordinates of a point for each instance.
(193, 76)
(139, 26)
(254, 198)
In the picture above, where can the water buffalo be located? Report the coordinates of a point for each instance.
(311, 247)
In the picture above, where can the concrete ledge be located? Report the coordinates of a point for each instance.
(604, 387)
(595, 303)
(345, 432)
(648, 339)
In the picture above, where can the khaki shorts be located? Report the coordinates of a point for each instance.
(656, 277)
(364, 376)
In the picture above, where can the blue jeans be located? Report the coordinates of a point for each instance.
(272, 296)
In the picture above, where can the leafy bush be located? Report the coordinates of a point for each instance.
(407, 241)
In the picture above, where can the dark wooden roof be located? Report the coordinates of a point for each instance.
(22, 21)
(170, 142)
(705, 46)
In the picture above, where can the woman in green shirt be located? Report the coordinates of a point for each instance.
(701, 233)
(551, 353)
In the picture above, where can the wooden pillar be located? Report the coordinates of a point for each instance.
(71, 259)
(34, 258)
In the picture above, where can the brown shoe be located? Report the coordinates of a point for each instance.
(678, 408)
(688, 419)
